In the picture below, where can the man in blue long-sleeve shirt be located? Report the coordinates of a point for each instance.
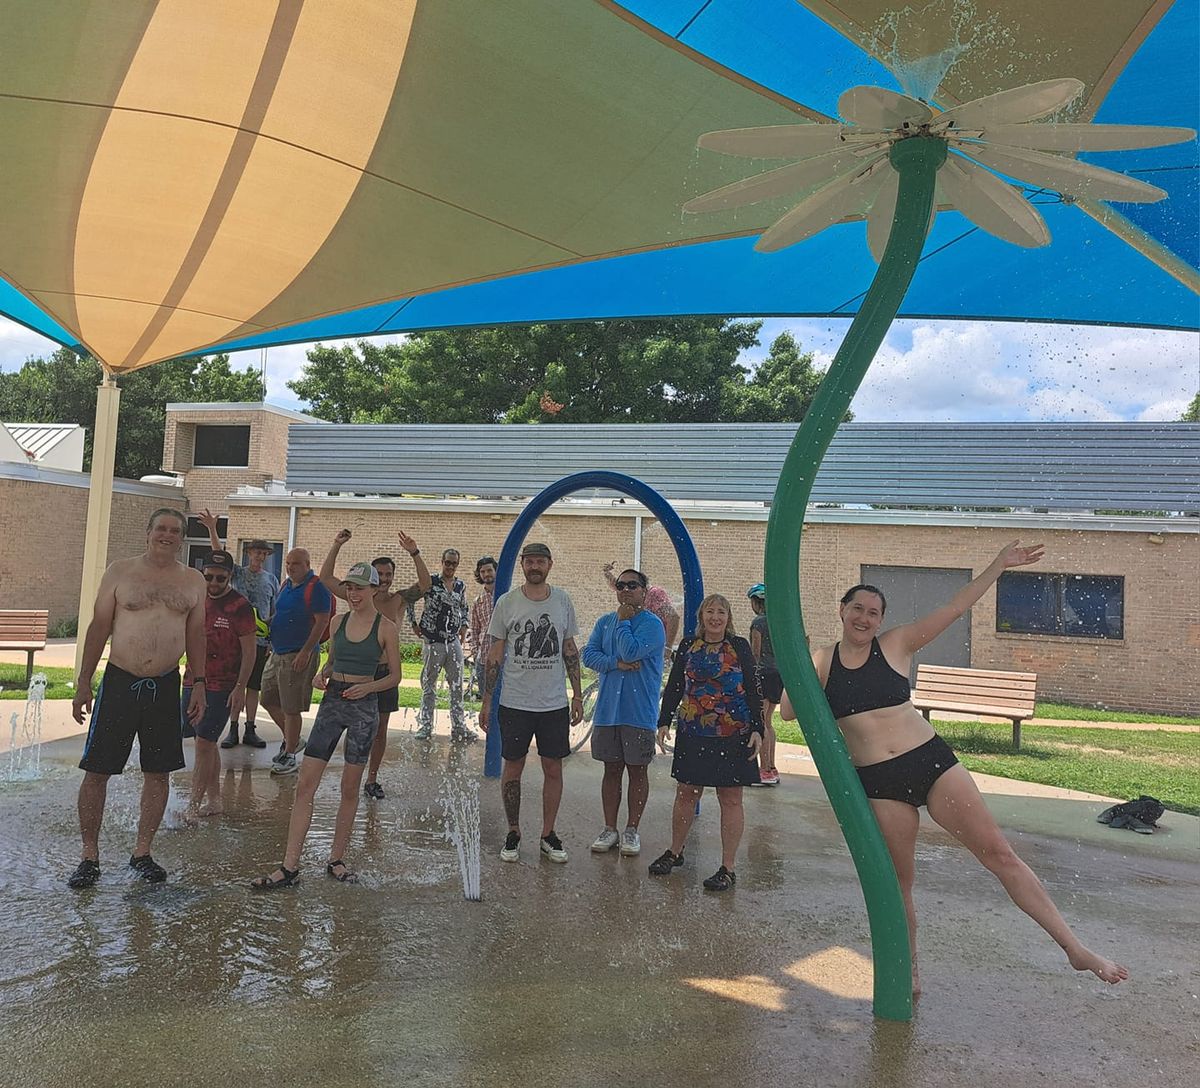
(626, 650)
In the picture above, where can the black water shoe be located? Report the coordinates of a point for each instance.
(86, 875)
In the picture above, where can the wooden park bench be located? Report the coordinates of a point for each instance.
(24, 629)
(976, 691)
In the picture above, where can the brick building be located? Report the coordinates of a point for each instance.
(1106, 619)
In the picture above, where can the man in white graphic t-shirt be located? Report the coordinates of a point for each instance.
(533, 633)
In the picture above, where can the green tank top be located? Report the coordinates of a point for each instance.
(356, 658)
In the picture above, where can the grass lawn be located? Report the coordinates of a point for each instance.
(1064, 711)
(1114, 762)
(12, 679)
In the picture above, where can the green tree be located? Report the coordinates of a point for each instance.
(1192, 415)
(680, 370)
(62, 389)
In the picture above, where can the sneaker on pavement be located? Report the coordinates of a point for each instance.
(553, 848)
(511, 850)
(769, 777)
(285, 764)
(631, 843)
(374, 791)
(283, 749)
(231, 741)
(85, 875)
(148, 869)
(251, 738)
(721, 881)
(605, 841)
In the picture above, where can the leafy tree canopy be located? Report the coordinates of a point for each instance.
(1192, 415)
(658, 371)
(62, 389)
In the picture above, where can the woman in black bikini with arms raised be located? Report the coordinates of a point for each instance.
(903, 764)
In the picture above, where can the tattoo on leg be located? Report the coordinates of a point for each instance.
(511, 792)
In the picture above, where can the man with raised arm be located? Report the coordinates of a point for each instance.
(390, 604)
(152, 608)
(535, 625)
(260, 587)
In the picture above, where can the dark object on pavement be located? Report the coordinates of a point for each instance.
(1140, 815)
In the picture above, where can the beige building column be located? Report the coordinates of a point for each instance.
(95, 541)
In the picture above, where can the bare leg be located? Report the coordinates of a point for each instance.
(766, 757)
(351, 779)
(899, 823)
(92, 793)
(302, 809)
(291, 733)
(683, 814)
(956, 804)
(510, 791)
(277, 716)
(639, 791)
(610, 792)
(155, 788)
(378, 747)
(551, 793)
(206, 779)
(251, 706)
(733, 821)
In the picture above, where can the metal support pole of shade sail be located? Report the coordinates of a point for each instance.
(99, 511)
(689, 561)
(916, 160)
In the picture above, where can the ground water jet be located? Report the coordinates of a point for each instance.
(460, 803)
(25, 741)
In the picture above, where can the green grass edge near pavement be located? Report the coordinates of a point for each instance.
(1122, 763)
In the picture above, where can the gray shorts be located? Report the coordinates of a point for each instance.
(357, 718)
(623, 744)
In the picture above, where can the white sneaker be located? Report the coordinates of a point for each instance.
(605, 841)
(631, 845)
(511, 850)
(286, 764)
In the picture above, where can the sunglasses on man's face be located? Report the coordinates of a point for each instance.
(628, 585)
(218, 578)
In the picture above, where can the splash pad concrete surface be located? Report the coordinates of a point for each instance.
(587, 974)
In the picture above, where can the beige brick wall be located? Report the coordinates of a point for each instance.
(41, 564)
(210, 486)
(1154, 668)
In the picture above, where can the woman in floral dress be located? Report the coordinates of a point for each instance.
(713, 685)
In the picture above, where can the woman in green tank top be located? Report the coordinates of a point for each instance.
(350, 705)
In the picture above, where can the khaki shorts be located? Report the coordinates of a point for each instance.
(285, 688)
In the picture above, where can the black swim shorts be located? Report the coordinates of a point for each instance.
(128, 706)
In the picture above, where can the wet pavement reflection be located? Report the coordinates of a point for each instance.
(585, 974)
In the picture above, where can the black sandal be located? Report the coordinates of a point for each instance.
(662, 866)
(721, 881)
(347, 877)
(269, 883)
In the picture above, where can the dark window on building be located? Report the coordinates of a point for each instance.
(1086, 605)
(222, 446)
(196, 530)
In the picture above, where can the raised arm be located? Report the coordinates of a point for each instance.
(209, 521)
(410, 546)
(326, 571)
(910, 637)
(638, 646)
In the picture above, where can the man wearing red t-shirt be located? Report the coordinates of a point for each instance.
(231, 650)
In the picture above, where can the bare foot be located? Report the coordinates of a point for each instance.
(213, 808)
(1105, 970)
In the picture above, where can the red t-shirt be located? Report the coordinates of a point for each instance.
(226, 619)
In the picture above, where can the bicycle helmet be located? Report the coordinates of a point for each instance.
(757, 590)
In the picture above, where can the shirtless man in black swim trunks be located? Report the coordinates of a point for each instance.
(153, 609)
(904, 764)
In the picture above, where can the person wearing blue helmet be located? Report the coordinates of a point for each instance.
(769, 680)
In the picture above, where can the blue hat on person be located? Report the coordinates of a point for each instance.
(757, 590)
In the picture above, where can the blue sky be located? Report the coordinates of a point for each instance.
(930, 371)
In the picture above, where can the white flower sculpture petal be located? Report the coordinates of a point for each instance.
(843, 169)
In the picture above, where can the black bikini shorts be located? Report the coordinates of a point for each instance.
(909, 776)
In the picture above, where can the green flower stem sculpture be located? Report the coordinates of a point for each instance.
(916, 160)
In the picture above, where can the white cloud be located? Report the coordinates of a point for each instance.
(945, 371)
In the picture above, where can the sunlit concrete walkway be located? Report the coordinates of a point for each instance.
(587, 974)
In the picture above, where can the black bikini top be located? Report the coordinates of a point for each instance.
(871, 686)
